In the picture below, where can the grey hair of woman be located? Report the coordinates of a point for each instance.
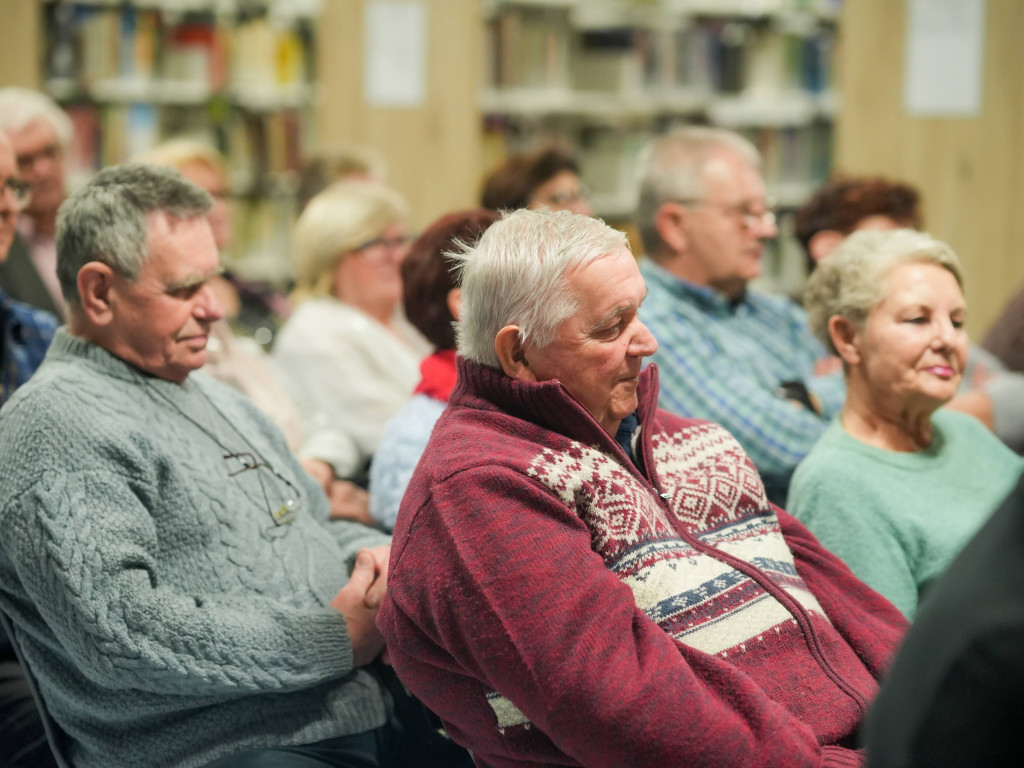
(107, 219)
(671, 168)
(518, 274)
(853, 279)
(20, 107)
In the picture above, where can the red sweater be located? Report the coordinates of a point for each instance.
(556, 605)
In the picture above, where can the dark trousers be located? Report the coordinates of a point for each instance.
(22, 739)
(359, 751)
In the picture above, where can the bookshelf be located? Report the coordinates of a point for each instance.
(238, 73)
(603, 76)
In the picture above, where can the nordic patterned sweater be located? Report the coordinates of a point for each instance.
(556, 605)
(168, 620)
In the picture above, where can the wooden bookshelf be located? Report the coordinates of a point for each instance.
(237, 74)
(604, 77)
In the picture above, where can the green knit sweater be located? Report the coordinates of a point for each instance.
(168, 619)
(899, 519)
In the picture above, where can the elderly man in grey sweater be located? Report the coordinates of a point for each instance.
(169, 568)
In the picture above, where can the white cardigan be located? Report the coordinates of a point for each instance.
(348, 374)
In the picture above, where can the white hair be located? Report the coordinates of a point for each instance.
(852, 280)
(671, 168)
(517, 274)
(20, 107)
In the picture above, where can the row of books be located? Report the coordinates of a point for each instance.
(91, 47)
(538, 48)
(258, 146)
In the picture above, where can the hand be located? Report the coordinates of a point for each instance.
(375, 594)
(352, 602)
(320, 471)
(350, 502)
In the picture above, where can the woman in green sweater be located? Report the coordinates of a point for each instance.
(896, 486)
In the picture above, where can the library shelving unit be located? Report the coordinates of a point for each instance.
(237, 73)
(604, 75)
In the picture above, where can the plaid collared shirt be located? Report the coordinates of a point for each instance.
(27, 332)
(724, 362)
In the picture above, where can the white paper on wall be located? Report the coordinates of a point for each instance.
(945, 53)
(395, 66)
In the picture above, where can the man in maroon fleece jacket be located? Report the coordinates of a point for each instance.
(578, 578)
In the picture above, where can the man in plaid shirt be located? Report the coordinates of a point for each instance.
(727, 354)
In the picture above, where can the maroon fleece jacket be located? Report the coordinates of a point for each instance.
(556, 604)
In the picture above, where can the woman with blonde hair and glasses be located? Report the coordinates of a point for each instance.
(349, 358)
(897, 485)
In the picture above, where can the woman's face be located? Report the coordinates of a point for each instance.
(913, 347)
(369, 277)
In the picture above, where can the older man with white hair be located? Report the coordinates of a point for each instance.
(169, 569)
(579, 578)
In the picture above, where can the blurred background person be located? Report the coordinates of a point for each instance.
(547, 178)
(896, 486)
(432, 298)
(347, 355)
(849, 204)
(349, 163)
(40, 132)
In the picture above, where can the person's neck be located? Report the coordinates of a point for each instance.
(382, 312)
(44, 223)
(678, 265)
(890, 426)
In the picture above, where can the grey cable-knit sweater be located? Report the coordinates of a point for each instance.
(168, 620)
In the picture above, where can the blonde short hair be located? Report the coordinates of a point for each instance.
(336, 222)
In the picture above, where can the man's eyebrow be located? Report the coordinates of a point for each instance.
(193, 280)
(619, 311)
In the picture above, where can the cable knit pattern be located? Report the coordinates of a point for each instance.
(557, 604)
(168, 620)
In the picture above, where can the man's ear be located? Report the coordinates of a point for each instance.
(512, 355)
(95, 284)
(670, 221)
(454, 302)
(845, 338)
(823, 243)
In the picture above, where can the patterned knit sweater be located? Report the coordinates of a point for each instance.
(556, 605)
(168, 619)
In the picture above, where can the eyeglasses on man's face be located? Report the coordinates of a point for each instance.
(750, 215)
(20, 191)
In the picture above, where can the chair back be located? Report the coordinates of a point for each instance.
(54, 736)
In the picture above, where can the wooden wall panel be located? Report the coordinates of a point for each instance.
(435, 152)
(970, 170)
(20, 58)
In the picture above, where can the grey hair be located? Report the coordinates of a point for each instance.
(852, 280)
(106, 220)
(671, 168)
(20, 107)
(517, 274)
(337, 221)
